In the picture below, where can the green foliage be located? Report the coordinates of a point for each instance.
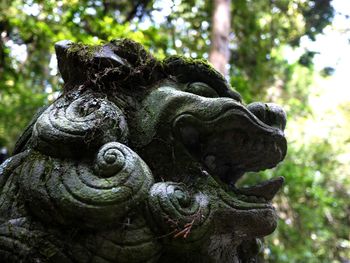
(313, 209)
(260, 29)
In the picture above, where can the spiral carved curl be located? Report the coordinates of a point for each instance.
(77, 125)
(176, 210)
(69, 191)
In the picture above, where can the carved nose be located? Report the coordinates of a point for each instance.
(269, 113)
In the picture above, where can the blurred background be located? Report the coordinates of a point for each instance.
(292, 52)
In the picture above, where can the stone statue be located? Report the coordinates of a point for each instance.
(137, 161)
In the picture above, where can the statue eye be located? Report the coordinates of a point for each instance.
(201, 89)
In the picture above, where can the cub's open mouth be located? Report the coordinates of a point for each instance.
(231, 143)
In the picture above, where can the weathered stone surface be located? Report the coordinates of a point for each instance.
(137, 162)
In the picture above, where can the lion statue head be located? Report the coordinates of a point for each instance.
(137, 161)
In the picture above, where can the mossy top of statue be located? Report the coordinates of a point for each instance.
(137, 161)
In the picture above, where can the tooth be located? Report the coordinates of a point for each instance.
(205, 173)
(266, 189)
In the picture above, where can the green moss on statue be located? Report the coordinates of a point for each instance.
(86, 52)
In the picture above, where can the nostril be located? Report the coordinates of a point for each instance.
(269, 113)
(277, 117)
(259, 110)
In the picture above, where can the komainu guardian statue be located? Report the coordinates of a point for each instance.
(137, 161)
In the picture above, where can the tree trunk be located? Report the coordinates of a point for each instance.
(221, 25)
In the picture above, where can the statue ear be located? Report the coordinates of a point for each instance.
(69, 65)
(76, 125)
(77, 61)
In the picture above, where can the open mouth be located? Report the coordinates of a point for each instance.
(232, 143)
